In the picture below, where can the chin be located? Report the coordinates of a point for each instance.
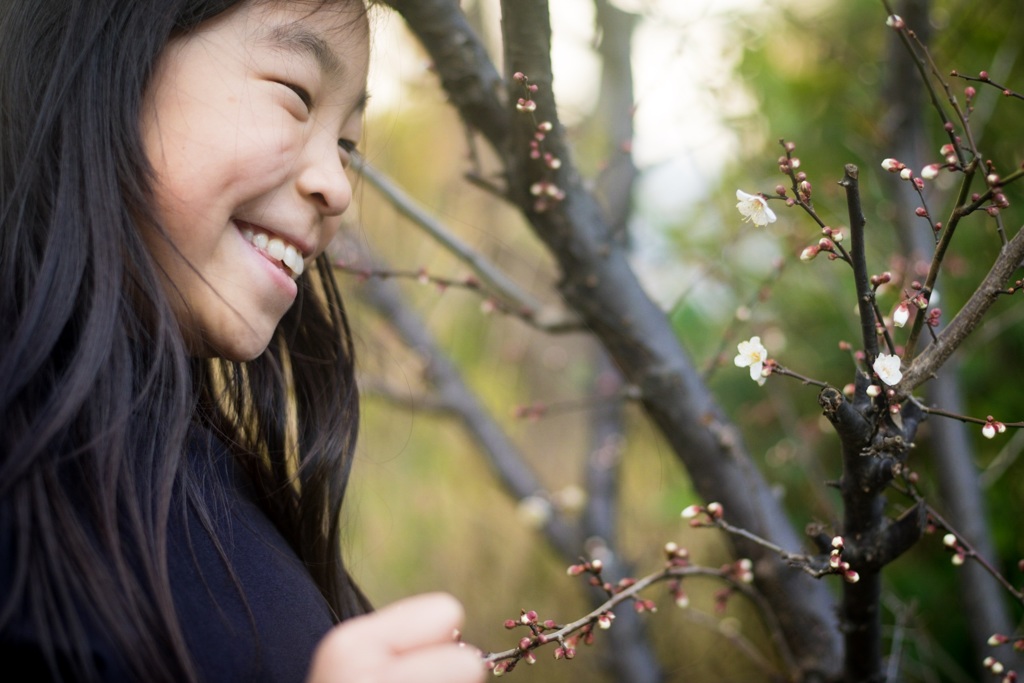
(240, 353)
(234, 349)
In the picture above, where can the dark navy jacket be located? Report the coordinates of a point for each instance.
(267, 638)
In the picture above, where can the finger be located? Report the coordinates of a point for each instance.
(436, 664)
(366, 646)
(415, 622)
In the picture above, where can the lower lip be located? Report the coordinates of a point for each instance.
(282, 279)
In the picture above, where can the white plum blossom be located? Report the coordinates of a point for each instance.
(754, 208)
(752, 354)
(992, 427)
(901, 314)
(892, 165)
(888, 368)
(691, 511)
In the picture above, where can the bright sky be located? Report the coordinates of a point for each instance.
(684, 49)
(685, 52)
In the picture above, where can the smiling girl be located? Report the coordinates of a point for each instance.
(178, 407)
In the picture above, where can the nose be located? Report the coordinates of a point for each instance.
(323, 180)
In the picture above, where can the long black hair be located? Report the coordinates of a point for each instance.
(98, 392)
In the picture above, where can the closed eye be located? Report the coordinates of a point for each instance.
(347, 145)
(301, 92)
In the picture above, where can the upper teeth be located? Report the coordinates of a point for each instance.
(277, 249)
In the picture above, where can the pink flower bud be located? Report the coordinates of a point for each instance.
(930, 171)
(809, 253)
(894, 21)
(891, 165)
(906, 173)
(691, 511)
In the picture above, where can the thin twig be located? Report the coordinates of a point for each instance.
(970, 552)
(487, 272)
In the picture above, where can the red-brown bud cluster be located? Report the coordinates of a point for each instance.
(881, 279)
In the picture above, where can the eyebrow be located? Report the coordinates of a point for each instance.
(303, 41)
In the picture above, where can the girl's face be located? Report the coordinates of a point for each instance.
(248, 123)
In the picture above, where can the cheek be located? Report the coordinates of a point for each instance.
(331, 227)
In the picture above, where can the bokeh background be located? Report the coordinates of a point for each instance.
(717, 84)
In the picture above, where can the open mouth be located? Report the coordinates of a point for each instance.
(283, 253)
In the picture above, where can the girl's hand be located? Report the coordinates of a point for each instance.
(409, 640)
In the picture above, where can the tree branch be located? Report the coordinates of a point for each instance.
(927, 363)
(865, 295)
